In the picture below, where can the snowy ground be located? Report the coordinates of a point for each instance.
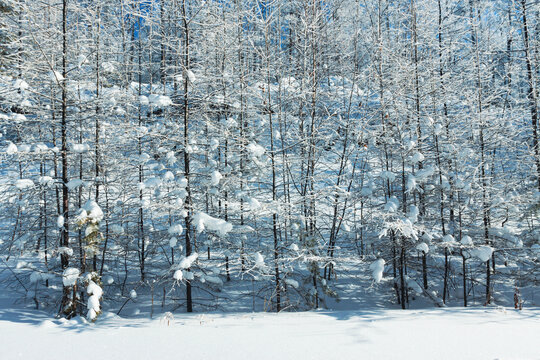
(453, 333)
(364, 324)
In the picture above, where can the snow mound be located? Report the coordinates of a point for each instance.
(159, 100)
(46, 181)
(483, 253)
(392, 205)
(506, 234)
(377, 269)
(204, 221)
(60, 221)
(293, 283)
(178, 275)
(70, 276)
(388, 175)
(417, 157)
(466, 241)
(11, 149)
(422, 247)
(152, 182)
(74, 183)
(94, 212)
(259, 261)
(215, 178)
(187, 262)
(80, 148)
(23, 184)
(255, 150)
(176, 229)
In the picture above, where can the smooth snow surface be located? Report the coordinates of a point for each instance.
(457, 333)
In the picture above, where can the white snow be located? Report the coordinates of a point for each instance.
(117, 229)
(482, 252)
(292, 282)
(18, 117)
(20, 84)
(37, 276)
(190, 76)
(507, 235)
(448, 241)
(70, 276)
(388, 175)
(64, 250)
(413, 213)
(259, 260)
(74, 183)
(93, 304)
(94, 212)
(204, 221)
(187, 262)
(176, 229)
(168, 176)
(417, 157)
(152, 182)
(80, 148)
(255, 150)
(392, 205)
(108, 67)
(425, 173)
(182, 183)
(215, 178)
(437, 129)
(23, 184)
(81, 60)
(46, 181)
(159, 100)
(133, 294)
(60, 221)
(411, 283)
(422, 247)
(94, 289)
(11, 149)
(411, 183)
(253, 203)
(178, 275)
(188, 275)
(377, 269)
(213, 280)
(143, 100)
(56, 76)
(214, 144)
(443, 334)
(466, 240)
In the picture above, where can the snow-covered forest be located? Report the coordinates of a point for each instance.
(169, 156)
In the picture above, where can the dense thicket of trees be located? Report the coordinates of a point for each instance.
(177, 145)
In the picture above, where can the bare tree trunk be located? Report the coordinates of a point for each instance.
(68, 305)
(531, 93)
(188, 201)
